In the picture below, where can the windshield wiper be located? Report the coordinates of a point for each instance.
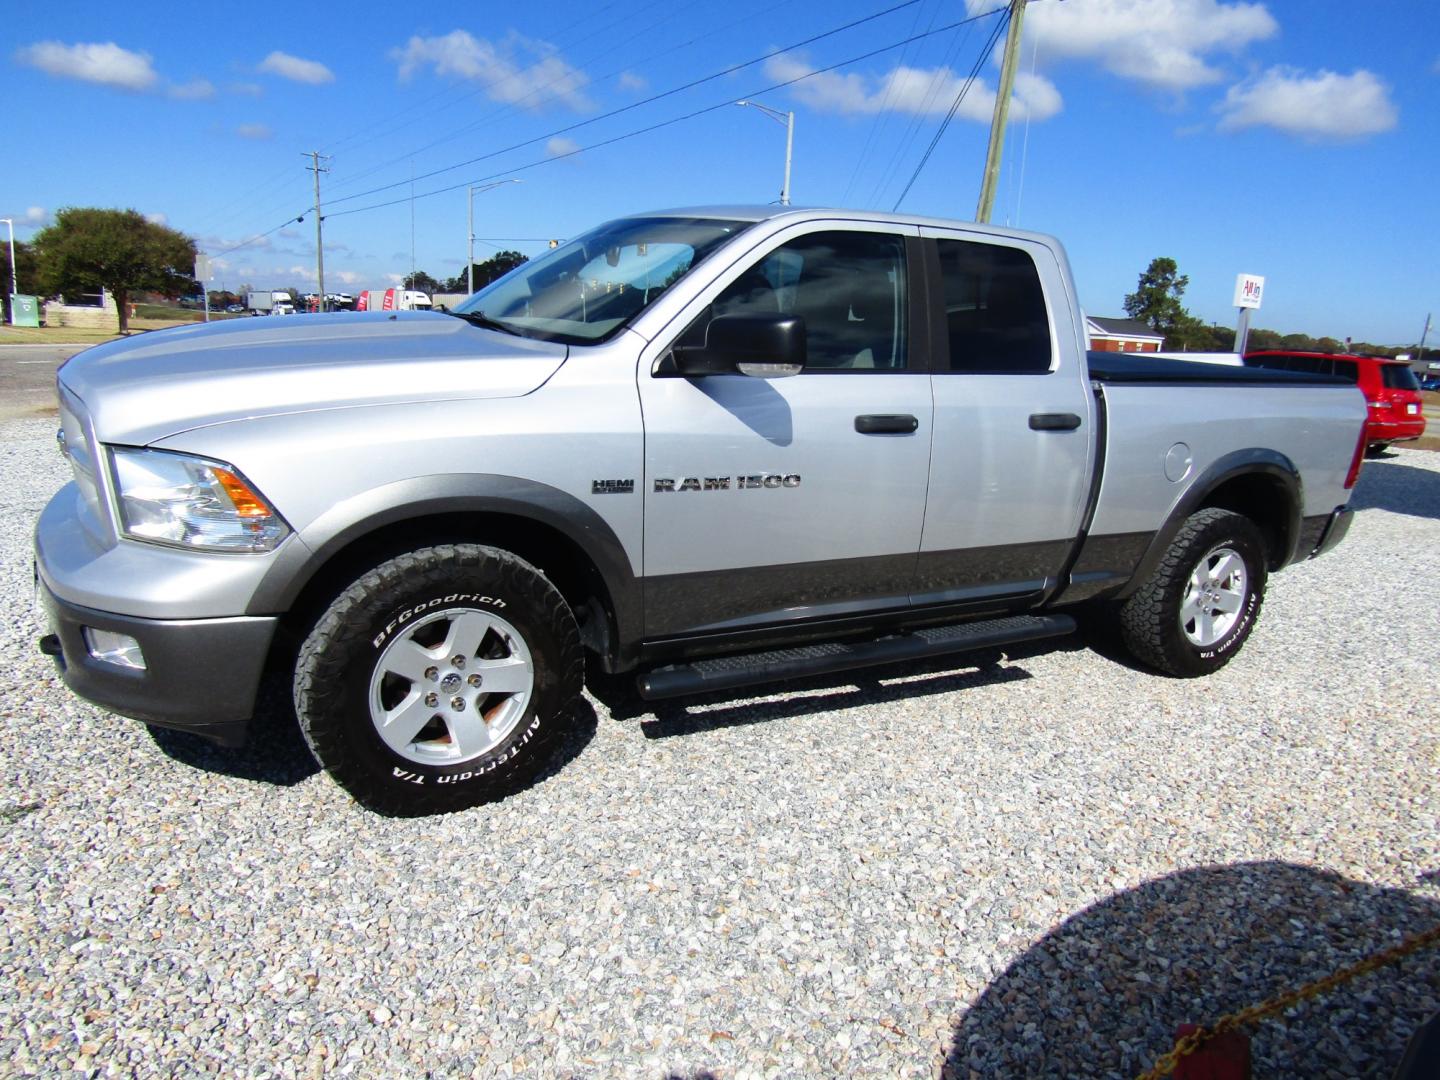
(479, 318)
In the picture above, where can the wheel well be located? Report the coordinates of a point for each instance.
(1267, 502)
(558, 557)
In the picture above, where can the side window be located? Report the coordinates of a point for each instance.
(1348, 369)
(848, 286)
(1309, 365)
(995, 314)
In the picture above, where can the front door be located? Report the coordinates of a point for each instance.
(771, 501)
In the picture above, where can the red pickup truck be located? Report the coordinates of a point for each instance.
(1391, 390)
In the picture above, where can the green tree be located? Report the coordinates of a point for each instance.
(1264, 339)
(117, 250)
(497, 266)
(1156, 302)
(27, 271)
(422, 281)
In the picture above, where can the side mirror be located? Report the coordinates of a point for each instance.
(761, 346)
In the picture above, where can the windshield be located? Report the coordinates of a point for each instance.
(588, 289)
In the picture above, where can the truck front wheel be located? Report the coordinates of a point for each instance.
(1198, 607)
(439, 680)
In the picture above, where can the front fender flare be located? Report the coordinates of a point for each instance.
(298, 561)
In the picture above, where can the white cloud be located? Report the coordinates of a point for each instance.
(254, 131)
(36, 216)
(249, 89)
(107, 64)
(194, 90)
(1161, 43)
(1320, 106)
(345, 277)
(516, 71)
(157, 218)
(396, 279)
(924, 92)
(630, 81)
(296, 69)
(560, 146)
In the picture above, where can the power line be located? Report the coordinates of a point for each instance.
(257, 237)
(881, 113)
(664, 94)
(955, 105)
(912, 128)
(465, 129)
(652, 127)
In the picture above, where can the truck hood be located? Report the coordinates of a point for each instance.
(162, 383)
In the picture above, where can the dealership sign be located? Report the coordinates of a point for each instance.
(1248, 288)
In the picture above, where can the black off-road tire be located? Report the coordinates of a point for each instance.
(338, 658)
(1150, 620)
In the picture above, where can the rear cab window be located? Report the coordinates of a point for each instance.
(996, 320)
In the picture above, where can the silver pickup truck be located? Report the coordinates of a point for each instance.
(712, 447)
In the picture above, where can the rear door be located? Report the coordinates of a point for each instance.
(775, 501)
(1014, 423)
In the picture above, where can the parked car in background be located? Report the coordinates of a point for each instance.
(1392, 392)
(1430, 382)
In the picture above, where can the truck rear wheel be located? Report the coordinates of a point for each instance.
(1198, 607)
(439, 680)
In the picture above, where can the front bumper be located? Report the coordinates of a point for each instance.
(200, 675)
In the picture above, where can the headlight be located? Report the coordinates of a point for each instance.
(189, 502)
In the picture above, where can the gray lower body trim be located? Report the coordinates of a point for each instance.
(722, 601)
(986, 580)
(1105, 563)
(201, 675)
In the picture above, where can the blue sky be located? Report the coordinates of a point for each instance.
(1300, 141)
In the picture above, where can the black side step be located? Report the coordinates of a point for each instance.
(728, 672)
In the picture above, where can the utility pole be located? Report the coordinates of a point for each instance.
(317, 169)
(1002, 112)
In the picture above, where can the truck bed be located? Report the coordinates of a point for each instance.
(1109, 367)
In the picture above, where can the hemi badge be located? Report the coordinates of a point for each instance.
(612, 487)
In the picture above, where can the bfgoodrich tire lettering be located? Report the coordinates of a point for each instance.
(439, 680)
(1198, 607)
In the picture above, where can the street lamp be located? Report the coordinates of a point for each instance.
(470, 227)
(788, 119)
(14, 282)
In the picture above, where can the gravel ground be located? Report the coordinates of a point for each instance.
(1033, 867)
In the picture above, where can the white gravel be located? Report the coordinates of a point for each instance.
(1036, 867)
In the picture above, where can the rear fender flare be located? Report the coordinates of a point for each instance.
(1254, 461)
